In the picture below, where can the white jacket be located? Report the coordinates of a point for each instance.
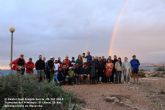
(118, 67)
(126, 65)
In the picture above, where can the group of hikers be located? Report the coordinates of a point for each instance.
(84, 69)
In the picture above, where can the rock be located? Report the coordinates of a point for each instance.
(121, 101)
(112, 99)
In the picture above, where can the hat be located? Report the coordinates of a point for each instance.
(51, 57)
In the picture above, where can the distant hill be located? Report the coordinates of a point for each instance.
(153, 64)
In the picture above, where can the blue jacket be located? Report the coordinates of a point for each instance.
(135, 64)
(89, 58)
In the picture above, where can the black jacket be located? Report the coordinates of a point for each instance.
(100, 67)
(50, 64)
(114, 62)
(21, 62)
(40, 65)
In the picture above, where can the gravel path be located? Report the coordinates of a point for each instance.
(143, 96)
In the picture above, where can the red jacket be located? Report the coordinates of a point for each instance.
(29, 67)
(14, 64)
(67, 62)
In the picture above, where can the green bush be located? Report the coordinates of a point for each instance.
(13, 86)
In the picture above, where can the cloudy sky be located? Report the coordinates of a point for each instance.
(69, 27)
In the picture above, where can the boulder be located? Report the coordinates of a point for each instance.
(112, 99)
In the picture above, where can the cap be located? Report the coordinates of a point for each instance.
(51, 57)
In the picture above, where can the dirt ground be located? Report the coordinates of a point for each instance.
(148, 95)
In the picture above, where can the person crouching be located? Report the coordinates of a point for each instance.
(85, 76)
(59, 78)
(71, 76)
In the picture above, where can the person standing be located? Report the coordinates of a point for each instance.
(84, 58)
(50, 69)
(126, 70)
(89, 58)
(104, 61)
(30, 66)
(119, 69)
(100, 70)
(79, 68)
(108, 73)
(93, 70)
(44, 59)
(135, 68)
(19, 65)
(67, 62)
(73, 62)
(114, 74)
(56, 65)
(60, 62)
(40, 67)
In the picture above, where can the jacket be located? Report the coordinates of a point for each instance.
(29, 67)
(135, 64)
(126, 65)
(17, 62)
(118, 66)
(50, 65)
(40, 65)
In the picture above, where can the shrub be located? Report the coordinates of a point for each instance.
(14, 86)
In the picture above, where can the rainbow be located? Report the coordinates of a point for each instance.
(116, 27)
